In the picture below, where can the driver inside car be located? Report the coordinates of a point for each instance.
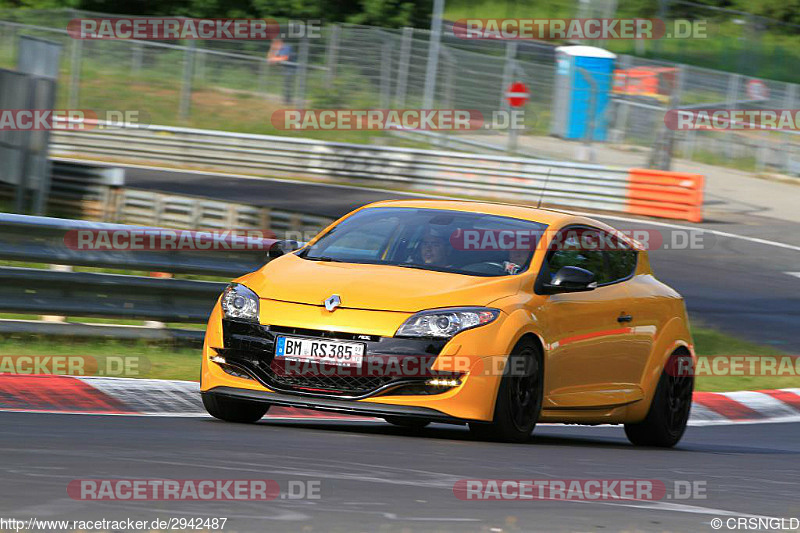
(434, 249)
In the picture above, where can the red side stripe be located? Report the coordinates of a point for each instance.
(55, 393)
(791, 399)
(728, 408)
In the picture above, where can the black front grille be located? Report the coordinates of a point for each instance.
(326, 379)
(251, 347)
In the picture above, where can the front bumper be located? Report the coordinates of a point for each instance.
(479, 349)
(249, 349)
(337, 406)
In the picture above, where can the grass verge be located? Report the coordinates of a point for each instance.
(140, 359)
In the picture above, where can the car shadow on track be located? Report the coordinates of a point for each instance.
(443, 432)
(542, 436)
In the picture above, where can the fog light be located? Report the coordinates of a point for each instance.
(441, 382)
(217, 359)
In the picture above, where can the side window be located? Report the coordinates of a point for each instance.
(568, 249)
(591, 260)
(621, 260)
(609, 258)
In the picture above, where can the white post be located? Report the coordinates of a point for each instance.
(433, 54)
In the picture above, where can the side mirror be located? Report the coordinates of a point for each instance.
(280, 248)
(570, 279)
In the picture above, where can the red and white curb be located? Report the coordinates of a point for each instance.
(154, 397)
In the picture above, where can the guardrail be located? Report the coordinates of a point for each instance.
(516, 179)
(42, 240)
(171, 210)
(88, 294)
(96, 294)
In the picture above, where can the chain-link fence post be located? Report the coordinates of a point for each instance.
(731, 99)
(136, 57)
(76, 56)
(789, 101)
(302, 73)
(432, 68)
(386, 73)
(263, 66)
(9, 38)
(622, 106)
(509, 70)
(403, 63)
(185, 104)
(200, 66)
(332, 54)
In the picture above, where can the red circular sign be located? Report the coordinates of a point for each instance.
(517, 94)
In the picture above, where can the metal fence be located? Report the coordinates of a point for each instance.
(231, 86)
(514, 179)
(99, 294)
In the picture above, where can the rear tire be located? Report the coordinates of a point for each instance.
(666, 420)
(234, 410)
(519, 397)
(407, 422)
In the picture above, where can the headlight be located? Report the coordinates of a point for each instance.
(240, 302)
(446, 322)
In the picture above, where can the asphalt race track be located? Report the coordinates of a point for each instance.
(734, 285)
(375, 477)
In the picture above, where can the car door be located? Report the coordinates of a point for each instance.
(639, 316)
(587, 335)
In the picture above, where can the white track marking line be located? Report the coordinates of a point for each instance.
(445, 481)
(718, 233)
(795, 274)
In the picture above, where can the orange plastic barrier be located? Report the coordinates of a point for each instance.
(661, 193)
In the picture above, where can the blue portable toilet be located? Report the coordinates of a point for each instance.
(579, 69)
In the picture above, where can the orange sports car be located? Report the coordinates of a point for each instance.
(496, 316)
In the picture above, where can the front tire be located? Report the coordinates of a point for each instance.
(519, 397)
(666, 420)
(234, 410)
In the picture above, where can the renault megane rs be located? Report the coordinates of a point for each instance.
(496, 316)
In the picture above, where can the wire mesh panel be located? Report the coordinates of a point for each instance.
(230, 85)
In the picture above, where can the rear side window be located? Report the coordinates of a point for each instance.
(621, 261)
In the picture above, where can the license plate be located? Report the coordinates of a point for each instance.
(320, 351)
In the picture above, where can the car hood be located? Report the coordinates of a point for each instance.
(377, 287)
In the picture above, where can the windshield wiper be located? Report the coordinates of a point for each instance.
(324, 258)
(423, 267)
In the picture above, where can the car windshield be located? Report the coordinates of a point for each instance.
(448, 241)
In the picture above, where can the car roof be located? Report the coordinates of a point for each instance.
(551, 217)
